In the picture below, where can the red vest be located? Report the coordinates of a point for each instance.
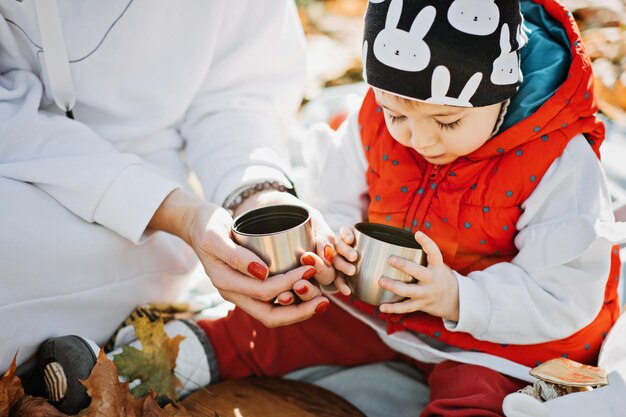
(470, 207)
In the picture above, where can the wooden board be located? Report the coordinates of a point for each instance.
(260, 397)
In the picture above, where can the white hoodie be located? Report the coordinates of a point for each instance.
(218, 79)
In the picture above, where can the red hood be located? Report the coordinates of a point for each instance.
(571, 109)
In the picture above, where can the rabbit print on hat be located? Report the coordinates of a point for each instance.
(506, 66)
(400, 49)
(477, 17)
(453, 52)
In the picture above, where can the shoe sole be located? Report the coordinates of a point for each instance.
(65, 361)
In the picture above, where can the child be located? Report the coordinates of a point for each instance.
(501, 181)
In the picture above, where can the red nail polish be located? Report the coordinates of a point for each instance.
(310, 273)
(302, 290)
(329, 253)
(321, 307)
(257, 270)
(308, 260)
(286, 300)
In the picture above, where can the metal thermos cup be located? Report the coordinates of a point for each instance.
(277, 234)
(375, 243)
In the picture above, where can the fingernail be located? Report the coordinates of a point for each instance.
(302, 290)
(308, 260)
(310, 273)
(257, 270)
(329, 253)
(321, 307)
(286, 300)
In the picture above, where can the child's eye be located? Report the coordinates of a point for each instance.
(449, 126)
(396, 119)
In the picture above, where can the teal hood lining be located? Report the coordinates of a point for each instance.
(545, 61)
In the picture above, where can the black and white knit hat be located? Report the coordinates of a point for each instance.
(454, 52)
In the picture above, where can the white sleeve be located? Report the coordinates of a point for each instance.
(235, 129)
(336, 173)
(555, 285)
(68, 160)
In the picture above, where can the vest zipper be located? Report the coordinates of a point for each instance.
(429, 183)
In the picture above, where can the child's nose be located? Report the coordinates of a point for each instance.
(422, 139)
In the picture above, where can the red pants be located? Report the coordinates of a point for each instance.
(245, 347)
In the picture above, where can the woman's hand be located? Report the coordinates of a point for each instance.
(344, 262)
(436, 291)
(237, 273)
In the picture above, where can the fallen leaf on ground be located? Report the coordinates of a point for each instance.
(154, 364)
(10, 389)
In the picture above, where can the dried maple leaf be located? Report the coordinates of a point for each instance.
(152, 409)
(154, 364)
(29, 406)
(109, 397)
(10, 389)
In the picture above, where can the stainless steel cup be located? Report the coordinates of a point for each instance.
(277, 234)
(375, 243)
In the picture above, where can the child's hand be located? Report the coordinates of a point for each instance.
(436, 291)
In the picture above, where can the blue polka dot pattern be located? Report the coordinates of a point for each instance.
(414, 223)
(544, 138)
(509, 193)
(496, 253)
(379, 109)
(564, 355)
(452, 174)
(587, 96)
(505, 227)
(437, 333)
(564, 125)
(433, 185)
(377, 198)
(385, 157)
(500, 150)
(587, 346)
(591, 141)
(485, 209)
(537, 363)
(533, 178)
(603, 335)
(503, 345)
(518, 152)
(367, 148)
(467, 225)
(473, 187)
(420, 191)
(388, 218)
(395, 163)
(537, 128)
(482, 242)
(445, 220)
(427, 225)
(408, 229)
(404, 189)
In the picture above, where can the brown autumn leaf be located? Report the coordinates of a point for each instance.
(152, 409)
(154, 364)
(29, 406)
(10, 389)
(109, 397)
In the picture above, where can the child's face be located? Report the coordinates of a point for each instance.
(439, 133)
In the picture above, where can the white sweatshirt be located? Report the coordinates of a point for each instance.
(551, 289)
(218, 79)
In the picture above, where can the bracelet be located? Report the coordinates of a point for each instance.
(236, 198)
